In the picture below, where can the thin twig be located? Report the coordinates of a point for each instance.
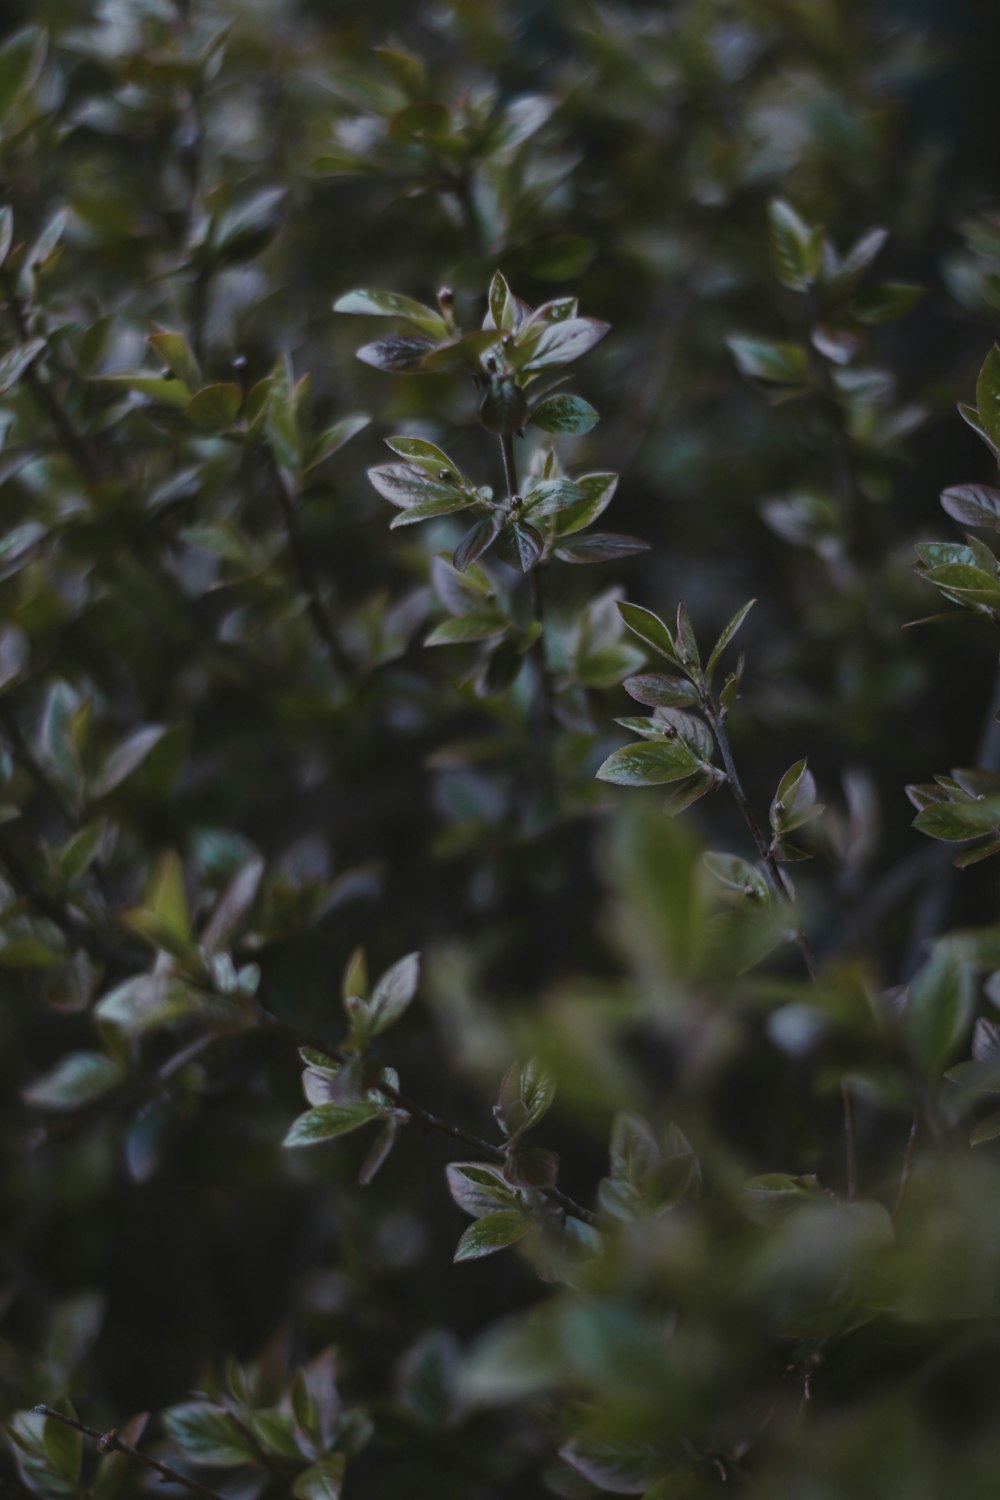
(537, 593)
(907, 1169)
(424, 1117)
(110, 1442)
(779, 886)
(302, 562)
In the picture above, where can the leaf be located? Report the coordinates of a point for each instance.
(155, 388)
(208, 1435)
(494, 1232)
(973, 504)
(598, 491)
(327, 1121)
(333, 438)
(794, 801)
(248, 226)
(648, 764)
(399, 354)
(175, 352)
(651, 629)
(408, 485)
(954, 822)
(614, 1465)
(988, 395)
(546, 497)
(233, 906)
(126, 758)
(477, 540)
(726, 637)
(988, 1129)
(555, 344)
(15, 652)
(527, 543)
(21, 60)
(796, 247)
(570, 414)
(77, 1080)
(601, 546)
(323, 1481)
(147, 1001)
(479, 1189)
(379, 304)
(656, 690)
(885, 302)
(939, 1008)
(392, 994)
(776, 364)
(479, 625)
(215, 406)
(17, 361)
(738, 875)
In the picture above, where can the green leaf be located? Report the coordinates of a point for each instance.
(648, 764)
(17, 361)
(973, 504)
(988, 1129)
(796, 247)
(954, 822)
(546, 497)
(327, 1121)
(78, 1079)
(333, 438)
(281, 420)
(399, 354)
(939, 1009)
(528, 544)
(614, 1464)
(794, 801)
(248, 226)
(126, 758)
(479, 625)
(656, 690)
(479, 1189)
(988, 395)
(601, 546)
(215, 406)
(21, 60)
(776, 364)
(570, 414)
(543, 346)
(155, 388)
(176, 353)
(208, 1435)
(885, 302)
(598, 491)
(650, 629)
(147, 1001)
(392, 994)
(726, 637)
(409, 485)
(377, 304)
(477, 540)
(494, 1232)
(738, 875)
(323, 1481)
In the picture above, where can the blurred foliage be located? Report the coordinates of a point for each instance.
(299, 797)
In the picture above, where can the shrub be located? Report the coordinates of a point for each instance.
(600, 301)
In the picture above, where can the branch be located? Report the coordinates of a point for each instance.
(424, 1117)
(306, 573)
(110, 1442)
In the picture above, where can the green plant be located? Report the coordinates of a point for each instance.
(725, 1225)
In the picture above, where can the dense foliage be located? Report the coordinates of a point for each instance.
(467, 469)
